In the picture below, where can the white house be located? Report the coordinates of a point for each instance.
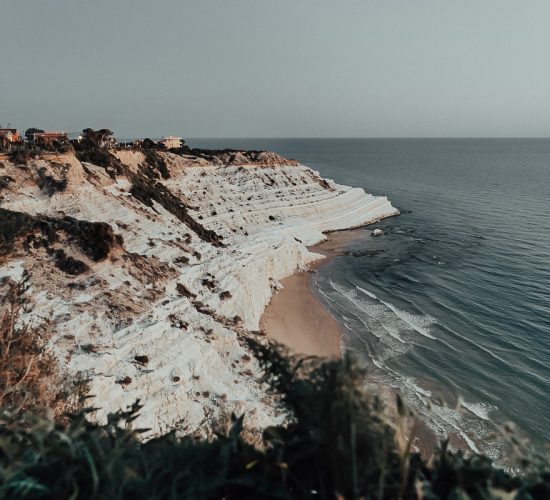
(171, 142)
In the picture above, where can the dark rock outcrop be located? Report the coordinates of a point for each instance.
(235, 156)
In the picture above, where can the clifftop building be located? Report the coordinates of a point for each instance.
(171, 142)
(9, 137)
(46, 137)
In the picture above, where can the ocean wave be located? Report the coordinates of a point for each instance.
(453, 419)
(420, 323)
(371, 316)
(395, 330)
(366, 292)
(444, 420)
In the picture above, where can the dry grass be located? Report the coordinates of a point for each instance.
(29, 374)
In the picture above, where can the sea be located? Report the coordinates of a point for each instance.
(451, 306)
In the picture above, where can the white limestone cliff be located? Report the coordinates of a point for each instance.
(127, 326)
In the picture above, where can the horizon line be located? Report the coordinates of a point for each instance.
(370, 137)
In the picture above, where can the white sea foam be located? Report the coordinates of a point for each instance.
(393, 332)
(417, 322)
(391, 325)
(443, 420)
(377, 363)
(469, 441)
(366, 292)
(373, 316)
(411, 384)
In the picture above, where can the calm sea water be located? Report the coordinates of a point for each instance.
(454, 300)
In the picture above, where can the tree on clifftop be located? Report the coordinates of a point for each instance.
(99, 138)
(34, 130)
(150, 144)
(29, 133)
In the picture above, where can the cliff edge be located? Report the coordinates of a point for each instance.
(150, 268)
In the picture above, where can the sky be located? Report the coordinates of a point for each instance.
(278, 68)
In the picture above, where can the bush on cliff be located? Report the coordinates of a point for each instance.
(339, 444)
(95, 239)
(29, 375)
(23, 156)
(155, 165)
(101, 157)
(49, 184)
(147, 190)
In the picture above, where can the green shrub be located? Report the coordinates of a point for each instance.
(339, 444)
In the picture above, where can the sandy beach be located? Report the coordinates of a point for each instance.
(295, 316)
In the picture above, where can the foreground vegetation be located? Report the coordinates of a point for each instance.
(338, 445)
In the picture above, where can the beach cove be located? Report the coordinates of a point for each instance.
(295, 317)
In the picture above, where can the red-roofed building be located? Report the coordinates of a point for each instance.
(9, 137)
(47, 137)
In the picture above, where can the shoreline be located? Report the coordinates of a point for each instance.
(163, 273)
(296, 317)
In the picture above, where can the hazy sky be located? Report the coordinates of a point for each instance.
(278, 68)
